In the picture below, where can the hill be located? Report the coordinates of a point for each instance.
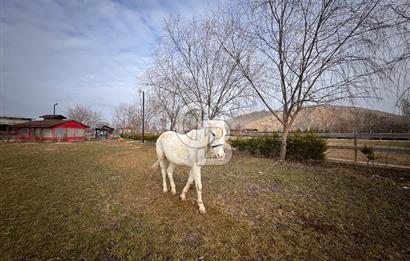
(327, 119)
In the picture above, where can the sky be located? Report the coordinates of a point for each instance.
(87, 52)
(79, 52)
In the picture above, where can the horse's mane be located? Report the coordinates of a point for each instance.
(192, 134)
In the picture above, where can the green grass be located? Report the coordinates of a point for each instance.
(100, 201)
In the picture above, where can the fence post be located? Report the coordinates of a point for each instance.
(355, 146)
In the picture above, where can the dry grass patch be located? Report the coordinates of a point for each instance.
(100, 201)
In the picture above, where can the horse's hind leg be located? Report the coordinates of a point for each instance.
(170, 171)
(163, 165)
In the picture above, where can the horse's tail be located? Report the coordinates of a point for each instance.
(155, 165)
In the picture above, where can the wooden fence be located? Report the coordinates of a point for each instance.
(354, 146)
(367, 136)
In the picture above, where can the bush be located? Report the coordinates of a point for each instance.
(369, 153)
(138, 136)
(306, 146)
(269, 146)
(239, 143)
(300, 146)
(253, 145)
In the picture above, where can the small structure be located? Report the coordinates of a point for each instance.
(250, 130)
(6, 121)
(53, 117)
(103, 131)
(52, 128)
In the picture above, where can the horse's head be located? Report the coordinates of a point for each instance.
(216, 134)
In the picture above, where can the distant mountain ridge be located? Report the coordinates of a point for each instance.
(327, 119)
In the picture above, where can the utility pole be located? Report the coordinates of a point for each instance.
(143, 114)
(54, 108)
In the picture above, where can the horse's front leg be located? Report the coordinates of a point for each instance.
(170, 171)
(188, 184)
(196, 171)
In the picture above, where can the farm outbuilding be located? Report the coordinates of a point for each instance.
(6, 121)
(52, 128)
(103, 131)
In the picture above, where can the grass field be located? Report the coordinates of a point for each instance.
(99, 200)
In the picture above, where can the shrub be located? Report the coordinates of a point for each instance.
(239, 143)
(269, 146)
(252, 145)
(306, 147)
(300, 146)
(138, 136)
(369, 153)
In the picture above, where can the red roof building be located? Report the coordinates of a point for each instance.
(50, 130)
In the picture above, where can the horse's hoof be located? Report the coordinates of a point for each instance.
(183, 198)
(202, 211)
(165, 190)
(174, 192)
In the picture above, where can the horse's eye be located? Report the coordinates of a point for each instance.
(218, 133)
(213, 134)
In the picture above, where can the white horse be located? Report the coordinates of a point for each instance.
(190, 150)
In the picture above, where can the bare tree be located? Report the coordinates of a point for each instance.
(168, 101)
(397, 44)
(84, 115)
(129, 116)
(405, 106)
(310, 53)
(171, 104)
(192, 64)
(399, 83)
(151, 108)
(401, 8)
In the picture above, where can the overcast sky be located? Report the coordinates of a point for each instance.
(83, 52)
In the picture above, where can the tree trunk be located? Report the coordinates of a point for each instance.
(172, 123)
(282, 154)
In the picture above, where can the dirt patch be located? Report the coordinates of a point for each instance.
(324, 228)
